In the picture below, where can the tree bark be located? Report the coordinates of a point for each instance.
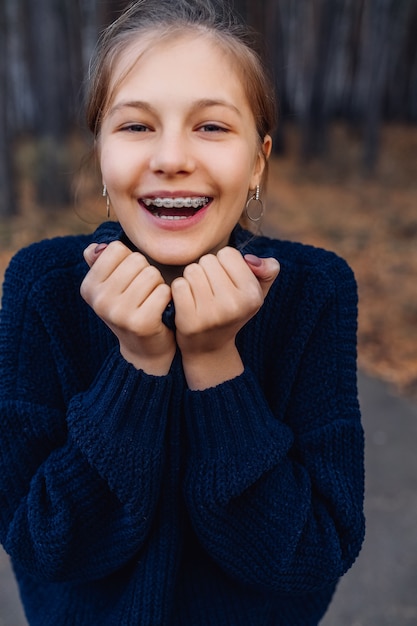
(7, 170)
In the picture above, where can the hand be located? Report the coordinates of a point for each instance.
(265, 270)
(130, 295)
(213, 300)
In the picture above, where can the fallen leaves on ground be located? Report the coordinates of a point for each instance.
(370, 220)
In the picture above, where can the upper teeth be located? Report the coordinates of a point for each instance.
(176, 203)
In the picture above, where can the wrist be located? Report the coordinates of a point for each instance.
(155, 365)
(208, 369)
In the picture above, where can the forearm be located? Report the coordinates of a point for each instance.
(84, 501)
(246, 481)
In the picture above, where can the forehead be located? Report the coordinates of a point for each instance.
(197, 61)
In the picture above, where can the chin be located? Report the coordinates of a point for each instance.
(176, 260)
(177, 257)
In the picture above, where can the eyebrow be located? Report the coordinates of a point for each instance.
(133, 104)
(207, 103)
(204, 103)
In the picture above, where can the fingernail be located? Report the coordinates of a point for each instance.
(99, 248)
(253, 260)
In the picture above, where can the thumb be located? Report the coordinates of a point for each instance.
(265, 270)
(92, 252)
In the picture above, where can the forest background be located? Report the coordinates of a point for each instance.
(344, 171)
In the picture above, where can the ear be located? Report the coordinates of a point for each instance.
(260, 162)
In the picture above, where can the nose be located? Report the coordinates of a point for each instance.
(172, 155)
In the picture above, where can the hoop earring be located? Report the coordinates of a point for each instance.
(106, 195)
(255, 217)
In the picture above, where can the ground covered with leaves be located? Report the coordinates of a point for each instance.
(370, 220)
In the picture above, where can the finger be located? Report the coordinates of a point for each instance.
(199, 284)
(183, 299)
(235, 267)
(131, 309)
(265, 270)
(216, 275)
(129, 269)
(92, 252)
(110, 257)
(151, 310)
(142, 283)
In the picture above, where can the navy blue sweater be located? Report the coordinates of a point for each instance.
(127, 499)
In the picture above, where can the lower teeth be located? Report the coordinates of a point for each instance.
(173, 217)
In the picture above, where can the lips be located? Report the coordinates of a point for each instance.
(174, 208)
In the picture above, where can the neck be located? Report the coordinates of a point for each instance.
(168, 272)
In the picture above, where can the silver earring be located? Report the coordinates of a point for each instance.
(255, 216)
(106, 195)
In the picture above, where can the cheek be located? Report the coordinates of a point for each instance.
(235, 169)
(106, 163)
(116, 166)
(243, 182)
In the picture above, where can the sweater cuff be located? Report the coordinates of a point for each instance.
(122, 416)
(232, 418)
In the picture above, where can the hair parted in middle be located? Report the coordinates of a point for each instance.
(152, 21)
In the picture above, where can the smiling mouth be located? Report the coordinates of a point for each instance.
(175, 208)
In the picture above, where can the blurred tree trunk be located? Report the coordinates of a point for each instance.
(372, 72)
(411, 100)
(273, 28)
(354, 60)
(332, 59)
(50, 49)
(7, 178)
(402, 61)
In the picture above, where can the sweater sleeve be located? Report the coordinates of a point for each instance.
(275, 487)
(79, 480)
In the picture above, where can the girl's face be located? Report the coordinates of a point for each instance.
(179, 150)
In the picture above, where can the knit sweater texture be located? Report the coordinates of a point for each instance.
(127, 499)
